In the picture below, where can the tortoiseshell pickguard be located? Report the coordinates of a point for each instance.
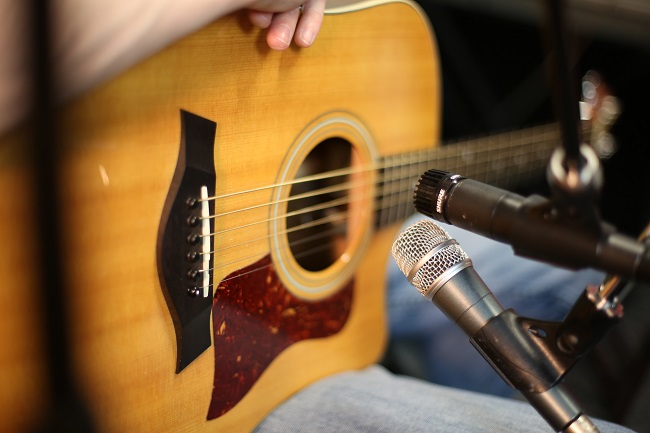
(254, 319)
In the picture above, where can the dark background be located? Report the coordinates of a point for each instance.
(495, 78)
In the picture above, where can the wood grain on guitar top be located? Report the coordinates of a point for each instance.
(374, 65)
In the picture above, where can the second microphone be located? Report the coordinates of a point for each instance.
(531, 225)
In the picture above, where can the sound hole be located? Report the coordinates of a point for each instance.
(318, 208)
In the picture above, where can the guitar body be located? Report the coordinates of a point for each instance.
(370, 82)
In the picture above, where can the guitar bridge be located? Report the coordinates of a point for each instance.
(184, 251)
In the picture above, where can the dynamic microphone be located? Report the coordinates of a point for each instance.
(532, 225)
(438, 267)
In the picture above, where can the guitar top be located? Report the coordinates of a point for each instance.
(226, 210)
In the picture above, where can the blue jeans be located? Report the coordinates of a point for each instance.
(375, 400)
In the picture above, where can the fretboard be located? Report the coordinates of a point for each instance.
(505, 160)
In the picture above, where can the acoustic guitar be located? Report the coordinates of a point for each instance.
(228, 212)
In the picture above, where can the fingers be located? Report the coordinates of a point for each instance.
(285, 26)
(310, 22)
(260, 19)
(282, 29)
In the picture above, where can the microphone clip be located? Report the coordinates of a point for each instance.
(530, 355)
(576, 185)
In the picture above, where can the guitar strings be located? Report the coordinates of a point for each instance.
(259, 268)
(397, 189)
(411, 175)
(346, 186)
(479, 145)
(324, 246)
(323, 234)
(484, 170)
(341, 187)
(404, 200)
(393, 194)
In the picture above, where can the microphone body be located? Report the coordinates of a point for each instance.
(442, 272)
(531, 225)
(438, 267)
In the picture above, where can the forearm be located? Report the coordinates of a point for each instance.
(93, 40)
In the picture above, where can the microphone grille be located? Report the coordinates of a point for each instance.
(424, 252)
(424, 196)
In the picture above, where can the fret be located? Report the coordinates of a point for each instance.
(398, 191)
(395, 190)
(381, 196)
(409, 178)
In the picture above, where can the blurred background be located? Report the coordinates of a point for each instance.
(495, 78)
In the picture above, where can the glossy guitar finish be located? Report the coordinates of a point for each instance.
(371, 81)
(314, 150)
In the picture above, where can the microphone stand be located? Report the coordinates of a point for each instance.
(575, 177)
(551, 349)
(533, 356)
(574, 173)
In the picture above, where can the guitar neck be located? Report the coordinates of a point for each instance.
(504, 160)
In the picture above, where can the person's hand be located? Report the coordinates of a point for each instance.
(287, 20)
